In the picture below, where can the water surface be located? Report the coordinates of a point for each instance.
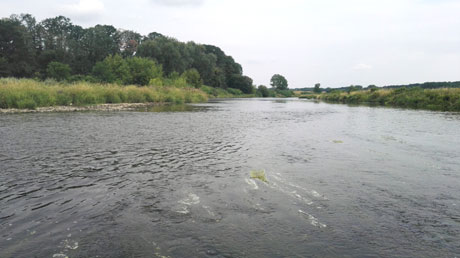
(342, 181)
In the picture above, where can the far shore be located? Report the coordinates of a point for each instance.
(98, 107)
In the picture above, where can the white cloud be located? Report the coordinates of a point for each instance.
(362, 67)
(179, 2)
(84, 10)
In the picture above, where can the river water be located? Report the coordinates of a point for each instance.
(343, 181)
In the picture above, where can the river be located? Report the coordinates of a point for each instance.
(342, 181)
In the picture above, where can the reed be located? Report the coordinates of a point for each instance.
(30, 94)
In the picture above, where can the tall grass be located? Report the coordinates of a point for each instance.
(26, 93)
(447, 99)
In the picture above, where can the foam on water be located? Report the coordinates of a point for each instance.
(191, 199)
(314, 221)
(252, 183)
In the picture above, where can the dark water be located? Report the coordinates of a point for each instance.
(342, 181)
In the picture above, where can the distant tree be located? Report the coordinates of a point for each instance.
(15, 49)
(165, 51)
(58, 71)
(100, 41)
(263, 91)
(114, 69)
(352, 88)
(154, 35)
(317, 89)
(279, 82)
(103, 72)
(142, 70)
(243, 83)
(192, 76)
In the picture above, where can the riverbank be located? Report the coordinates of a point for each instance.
(37, 95)
(447, 99)
(99, 107)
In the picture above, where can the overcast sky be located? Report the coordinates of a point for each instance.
(333, 42)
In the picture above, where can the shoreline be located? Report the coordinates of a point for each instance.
(97, 107)
(440, 99)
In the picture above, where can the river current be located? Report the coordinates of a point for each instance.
(342, 181)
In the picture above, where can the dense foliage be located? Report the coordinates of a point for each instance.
(57, 48)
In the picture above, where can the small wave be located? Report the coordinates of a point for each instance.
(42, 206)
(314, 221)
(60, 256)
(191, 199)
(293, 194)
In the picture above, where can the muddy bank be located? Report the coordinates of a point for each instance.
(99, 107)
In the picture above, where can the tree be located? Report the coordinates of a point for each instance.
(263, 91)
(167, 52)
(192, 76)
(15, 49)
(112, 69)
(100, 41)
(317, 88)
(279, 82)
(243, 83)
(58, 71)
(142, 70)
(352, 88)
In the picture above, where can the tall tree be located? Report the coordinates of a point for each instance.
(317, 89)
(279, 82)
(101, 41)
(15, 49)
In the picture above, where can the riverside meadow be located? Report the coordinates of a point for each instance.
(30, 94)
(443, 99)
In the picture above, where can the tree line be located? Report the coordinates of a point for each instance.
(57, 48)
(351, 88)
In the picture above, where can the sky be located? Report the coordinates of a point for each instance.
(333, 42)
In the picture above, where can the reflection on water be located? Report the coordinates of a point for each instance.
(175, 181)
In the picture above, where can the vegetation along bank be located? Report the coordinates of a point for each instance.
(31, 94)
(442, 99)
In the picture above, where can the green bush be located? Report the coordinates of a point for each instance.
(192, 77)
(235, 91)
(58, 71)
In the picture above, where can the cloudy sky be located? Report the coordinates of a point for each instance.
(333, 42)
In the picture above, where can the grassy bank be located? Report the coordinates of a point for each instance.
(30, 94)
(225, 93)
(431, 99)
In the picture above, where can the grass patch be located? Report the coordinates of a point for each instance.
(259, 174)
(30, 94)
(445, 99)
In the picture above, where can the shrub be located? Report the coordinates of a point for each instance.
(192, 77)
(58, 71)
